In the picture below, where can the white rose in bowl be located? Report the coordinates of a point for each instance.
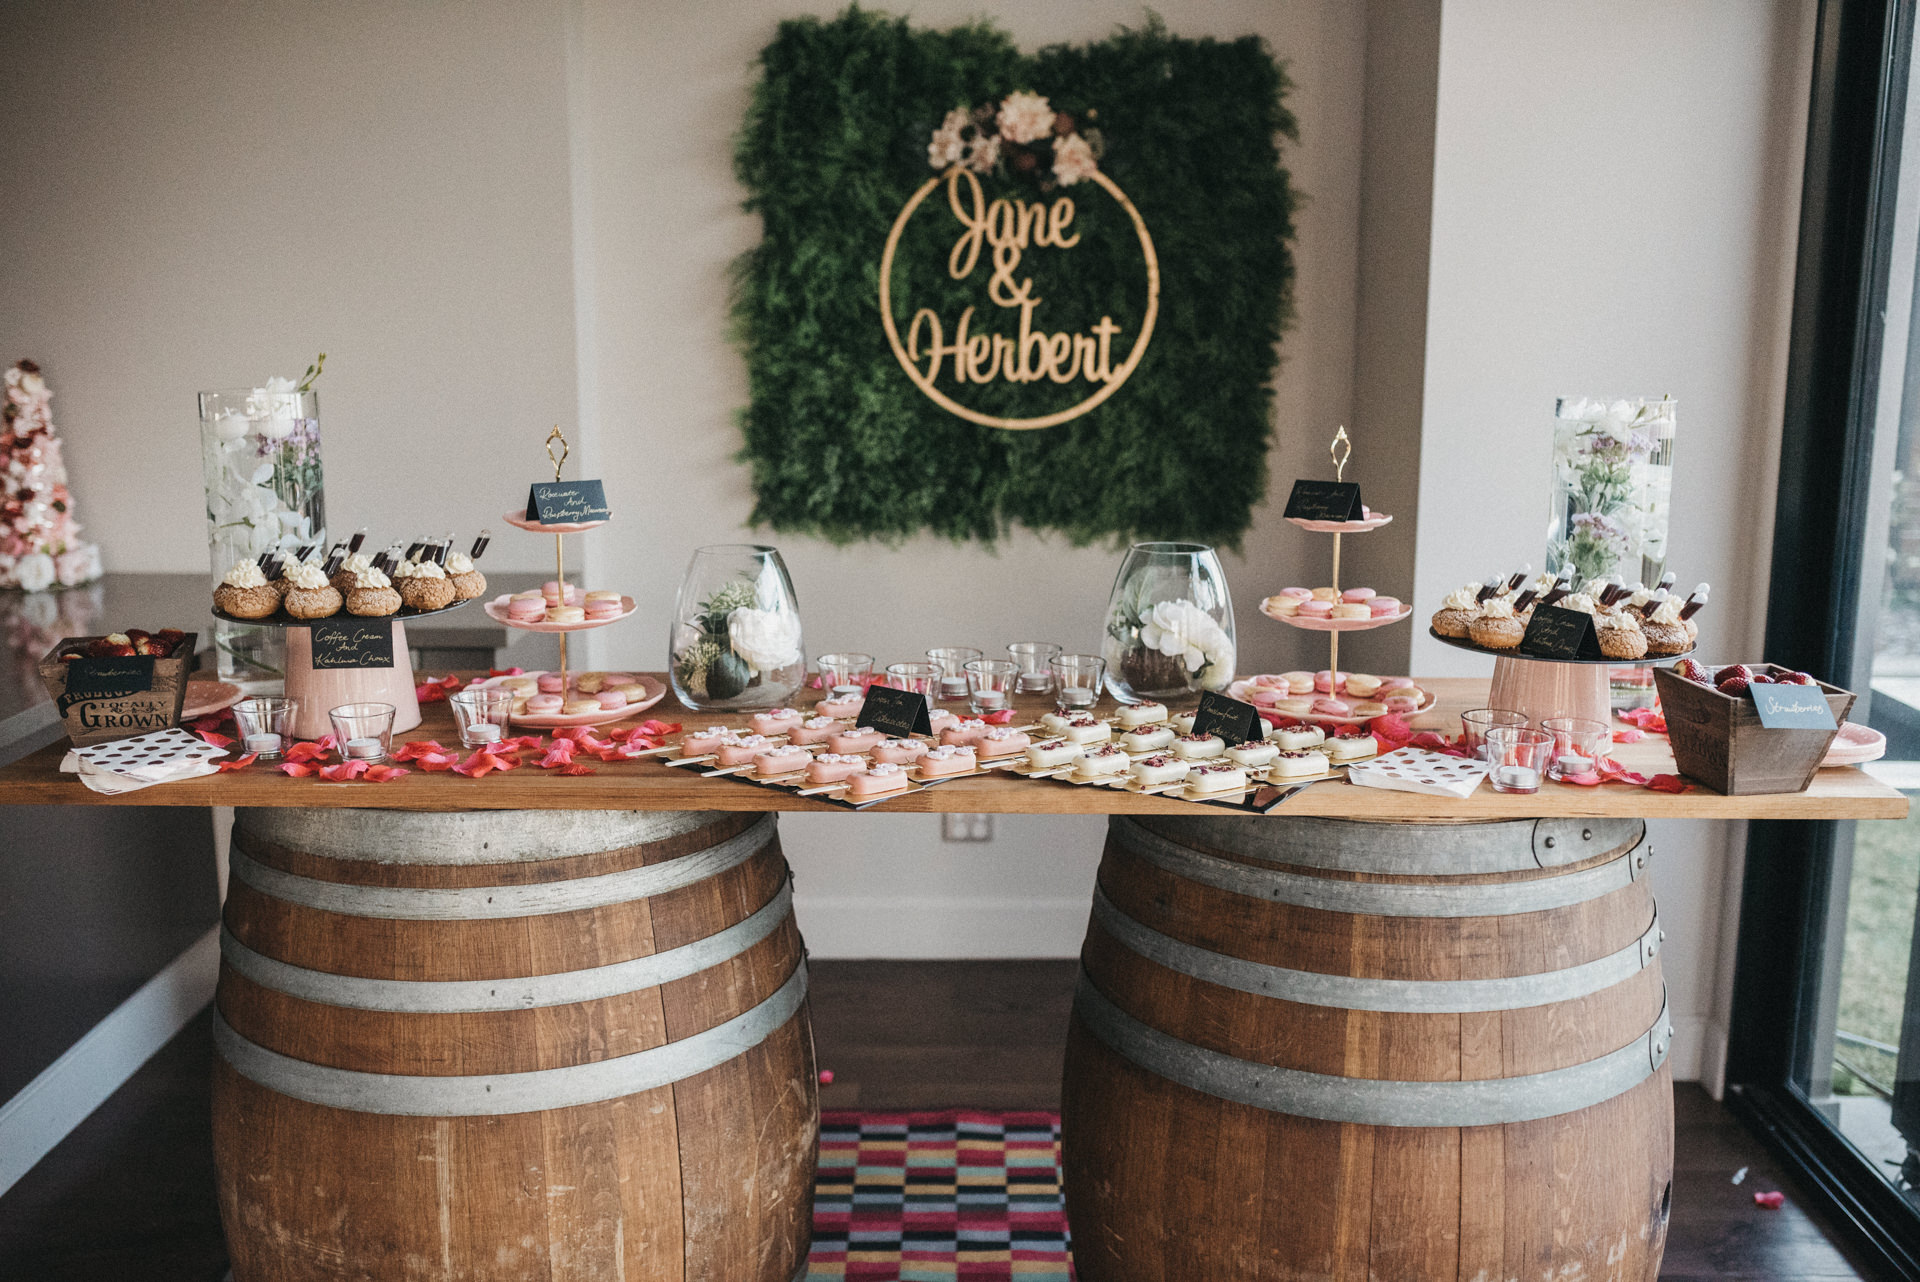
(767, 639)
(1181, 630)
(34, 572)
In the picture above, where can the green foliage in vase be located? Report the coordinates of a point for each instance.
(841, 442)
(695, 662)
(724, 601)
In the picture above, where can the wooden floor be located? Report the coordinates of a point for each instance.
(130, 1194)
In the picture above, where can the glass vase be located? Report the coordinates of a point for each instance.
(1169, 624)
(735, 637)
(1612, 487)
(260, 458)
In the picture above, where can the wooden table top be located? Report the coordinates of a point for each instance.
(1841, 793)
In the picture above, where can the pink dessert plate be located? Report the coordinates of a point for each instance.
(1373, 522)
(1855, 745)
(1241, 689)
(559, 720)
(519, 521)
(204, 698)
(1339, 625)
(497, 611)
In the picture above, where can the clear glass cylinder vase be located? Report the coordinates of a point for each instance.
(1612, 487)
(735, 638)
(260, 459)
(1169, 623)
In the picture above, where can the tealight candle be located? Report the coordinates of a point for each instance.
(1516, 778)
(263, 743)
(483, 732)
(363, 748)
(1078, 697)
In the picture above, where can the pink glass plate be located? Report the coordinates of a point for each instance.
(1373, 522)
(1855, 745)
(1339, 625)
(557, 720)
(497, 611)
(519, 521)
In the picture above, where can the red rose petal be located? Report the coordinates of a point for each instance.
(344, 772)
(514, 671)
(576, 769)
(238, 763)
(1000, 718)
(1668, 783)
(217, 740)
(298, 769)
(435, 762)
(1772, 1201)
(1587, 780)
(417, 749)
(1629, 735)
(380, 774)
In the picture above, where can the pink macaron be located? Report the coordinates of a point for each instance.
(1316, 609)
(1332, 708)
(1402, 703)
(1384, 607)
(552, 683)
(542, 704)
(1298, 594)
(527, 611)
(1396, 683)
(604, 609)
(1267, 696)
(1327, 682)
(611, 699)
(1358, 596)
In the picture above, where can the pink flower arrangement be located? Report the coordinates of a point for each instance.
(40, 542)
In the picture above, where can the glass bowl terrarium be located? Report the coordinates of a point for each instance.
(735, 637)
(1169, 624)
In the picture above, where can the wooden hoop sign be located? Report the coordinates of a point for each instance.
(1009, 227)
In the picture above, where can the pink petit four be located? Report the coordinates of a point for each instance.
(815, 730)
(964, 732)
(742, 749)
(841, 705)
(1357, 595)
(948, 759)
(612, 699)
(832, 767)
(901, 752)
(858, 740)
(877, 780)
(1316, 609)
(940, 719)
(775, 720)
(1332, 708)
(771, 762)
(699, 743)
(1001, 741)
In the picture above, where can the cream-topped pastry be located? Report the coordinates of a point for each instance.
(461, 563)
(815, 730)
(901, 752)
(1252, 754)
(1084, 727)
(832, 767)
(245, 574)
(1142, 714)
(1580, 601)
(1198, 747)
(305, 574)
(1147, 738)
(1102, 761)
(1001, 741)
(1057, 722)
(1051, 753)
(419, 570)
(1217, 776)
(1182, 723)
(1298, 738)
(1160, 768)
(1354, 749)
(1295, 763)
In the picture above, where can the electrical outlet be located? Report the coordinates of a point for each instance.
(966, 827)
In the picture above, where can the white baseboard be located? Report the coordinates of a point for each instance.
(925, 929)
(71, 1087)
(1689, 1047)
(1713, 1059)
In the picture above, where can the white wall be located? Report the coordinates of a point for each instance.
(1615, 192)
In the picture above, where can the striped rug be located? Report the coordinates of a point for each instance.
(939, 1197)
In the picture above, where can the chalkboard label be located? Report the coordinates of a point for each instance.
(567, 502)
(1232, 720)
(898, 712)
(1783, 707)
(1324, 501)
(111, 678)
(353, 643)
(1554, 633)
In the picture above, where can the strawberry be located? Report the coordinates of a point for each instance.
(1762, 679)
(1740, 670)
(1735, 685)
(1693, 672)
(1798, 679)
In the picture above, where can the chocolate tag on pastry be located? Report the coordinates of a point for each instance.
(1324, 501)
(567, 502)
(1554, 633)
(898, 712)
(1785, 707)
(352, 643)
(1230, 719)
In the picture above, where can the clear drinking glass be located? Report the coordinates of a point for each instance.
(1169, 624)
(260, 459)
(847, 671)
(1076, 680)
(481, 715)
(362, 731)
(922, 677)
(265, 725)
(990, 684)
(734, 641)
(1475, 724)
(1033, 657)
(953, 661)
(1578, 744)
(1518, 755)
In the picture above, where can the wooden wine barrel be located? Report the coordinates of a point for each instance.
(1320, 1049)
(512, 1045)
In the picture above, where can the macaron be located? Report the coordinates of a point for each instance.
(1370, 708)
(552, 683)
(566, 614)
(1325, 594)
(527, 611)
(1384, 607)
(579, 707)
(611, 699)
(1396, 683)
(1327, 682)
(1315, 609)
(1332, 708)
(601, 595)
(1295, 707)
(1358, 596)
(545, 703)
(1299, 682)
(1284, 606)
(1402, 703)
(603, 609)
(1298, 594)
(1351, 610)
(1266, 696)
(1361, 686)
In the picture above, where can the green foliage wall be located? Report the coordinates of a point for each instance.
(841, 442)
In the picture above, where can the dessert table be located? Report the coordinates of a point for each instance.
(540, 1025)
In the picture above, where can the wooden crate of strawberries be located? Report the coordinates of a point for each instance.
(1717, 736)
(119, 685)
